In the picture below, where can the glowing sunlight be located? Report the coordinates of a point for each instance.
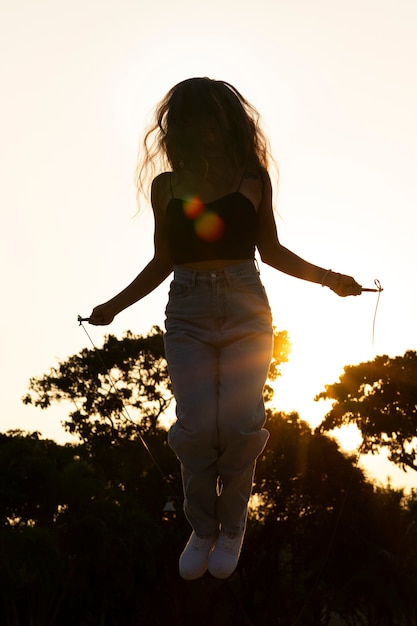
(343, 130)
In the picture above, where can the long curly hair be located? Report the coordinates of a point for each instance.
(179, 135)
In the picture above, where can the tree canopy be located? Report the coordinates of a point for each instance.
(380, 397)
(86, 537)
(115, 389)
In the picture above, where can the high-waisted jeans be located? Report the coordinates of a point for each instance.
(218, 346)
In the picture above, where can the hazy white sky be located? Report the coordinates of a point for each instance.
(335, 83)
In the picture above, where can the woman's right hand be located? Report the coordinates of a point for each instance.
(102, 315)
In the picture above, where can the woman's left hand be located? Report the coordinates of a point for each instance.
(342, 285)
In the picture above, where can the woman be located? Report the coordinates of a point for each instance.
(213, 209)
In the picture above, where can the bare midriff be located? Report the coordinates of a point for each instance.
(217, 264)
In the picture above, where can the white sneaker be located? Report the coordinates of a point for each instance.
(224, 558)
(194, 558)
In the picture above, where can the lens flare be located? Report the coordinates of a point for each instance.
(209, 226)
(193, 207)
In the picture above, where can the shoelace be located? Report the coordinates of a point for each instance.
(230, 542)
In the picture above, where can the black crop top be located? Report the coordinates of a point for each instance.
(221, 229)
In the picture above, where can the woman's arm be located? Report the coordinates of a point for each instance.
(279, 257)
(149, 278)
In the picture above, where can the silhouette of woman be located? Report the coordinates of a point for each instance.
(212, 209)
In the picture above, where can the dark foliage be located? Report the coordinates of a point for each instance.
(86, 538)
(380, 397)
(117, 389)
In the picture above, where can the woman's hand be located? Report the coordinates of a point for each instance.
(102, 315)
(341, 284)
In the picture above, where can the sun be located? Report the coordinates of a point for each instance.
(320, 349)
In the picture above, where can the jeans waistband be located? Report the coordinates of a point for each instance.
(192, 276)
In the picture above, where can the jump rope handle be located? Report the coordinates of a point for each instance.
(378, 287)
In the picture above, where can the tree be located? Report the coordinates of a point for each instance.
(309, 494)
(326, 540)
(78, 546)
(380, 397)
(280, 352)
(117, 390)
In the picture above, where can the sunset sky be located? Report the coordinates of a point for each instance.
(335, 83)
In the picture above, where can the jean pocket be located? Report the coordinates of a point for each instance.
(179, 289)
(249, 284)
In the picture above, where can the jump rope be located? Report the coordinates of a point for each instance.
(377, 289)
(125, 412)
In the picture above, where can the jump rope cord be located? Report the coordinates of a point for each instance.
(378, 289)
(126, 412)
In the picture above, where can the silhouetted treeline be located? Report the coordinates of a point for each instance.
(85, 540)
(89, 537)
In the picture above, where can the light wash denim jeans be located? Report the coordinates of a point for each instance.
(218, 346)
